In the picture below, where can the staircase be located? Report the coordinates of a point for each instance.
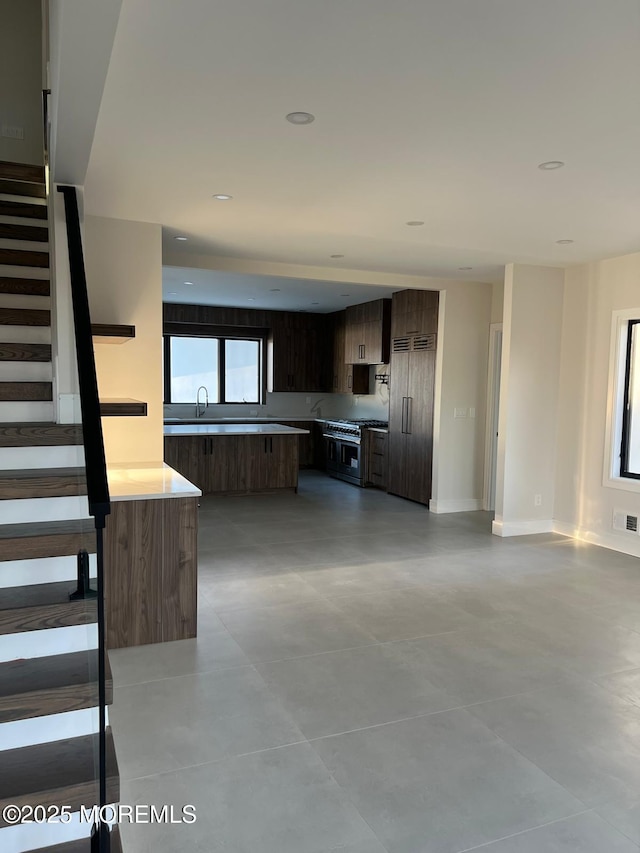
(48, 643)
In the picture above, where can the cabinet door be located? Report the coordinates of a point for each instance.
(282, 461)
(182, 453)
(220, 455)
(253, 455)
(419, 425)
(414, 312)
(397, 441)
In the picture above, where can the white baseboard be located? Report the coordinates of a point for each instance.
(522, 528)
(625, 545)
(463, 505)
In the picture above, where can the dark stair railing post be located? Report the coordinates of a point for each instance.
(83, 589)
(96, 468)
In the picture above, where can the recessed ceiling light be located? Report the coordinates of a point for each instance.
(563, 242)
(251, 299)
(223, 197)
(300, 118)
(274, 290)
(182, 239)
(550, 165)
(465, 268)
(189, 283)
(336, 256)
(415, 222)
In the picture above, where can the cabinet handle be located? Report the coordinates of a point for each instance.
(361, 351)
(270, 445)
(350, 381)
(409, 414)
(211, 446)
(404, 415)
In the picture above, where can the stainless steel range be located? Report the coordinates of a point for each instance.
(344, 448)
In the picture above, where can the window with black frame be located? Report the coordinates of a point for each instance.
(230, 368)
(630, 450)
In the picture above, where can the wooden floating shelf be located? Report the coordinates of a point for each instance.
(122, 407)
(109, 333)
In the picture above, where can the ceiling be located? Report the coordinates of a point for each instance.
(431, 110)
(212, 287)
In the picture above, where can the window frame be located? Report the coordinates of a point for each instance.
(222, 335)
(612, 477)
(626, 402)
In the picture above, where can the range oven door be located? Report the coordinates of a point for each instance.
(343, 459)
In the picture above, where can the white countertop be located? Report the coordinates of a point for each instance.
(144, 481)
(232, 429)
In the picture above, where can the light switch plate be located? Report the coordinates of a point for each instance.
(460, 413)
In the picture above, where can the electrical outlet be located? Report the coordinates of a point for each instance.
(460, 413)
(537, 500)
(308, 401)
(253, 413)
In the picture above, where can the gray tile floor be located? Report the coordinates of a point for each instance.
(369, 677)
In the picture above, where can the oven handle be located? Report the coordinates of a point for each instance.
(341, 438)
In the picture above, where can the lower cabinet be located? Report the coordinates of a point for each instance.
(151, 571)
(235, 464)
(377, 460)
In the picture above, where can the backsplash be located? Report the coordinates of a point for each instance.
(291, 405)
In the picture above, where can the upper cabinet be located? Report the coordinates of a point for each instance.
(367, 332)
(346, 378)
(415, 312)
(301, 357)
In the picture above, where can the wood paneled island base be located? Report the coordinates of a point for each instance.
(150, 554)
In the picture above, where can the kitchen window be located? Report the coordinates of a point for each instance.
(230, 367)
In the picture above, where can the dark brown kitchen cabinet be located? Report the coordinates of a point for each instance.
(235, 464)
(367, 332)
(268, 462)
(377, 462)
(411, 397)
(299, 352)
(414, 312)
(346, 378)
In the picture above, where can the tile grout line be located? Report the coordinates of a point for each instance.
(525, 831)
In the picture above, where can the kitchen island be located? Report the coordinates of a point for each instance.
(150, 555)
(235, 459)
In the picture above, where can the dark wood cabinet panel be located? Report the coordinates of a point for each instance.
(367, 333)
(300, 353)
(150, 550)
(412, 394)
(236, 464)
(414, 312)
(347, 378)
(377, 459)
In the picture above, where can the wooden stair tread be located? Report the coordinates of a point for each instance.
(39, 434)
(51, 685)
(25, 286)
(43, 606)
(26, 209)
(26, 391)
(25, 317)
(35, 233)
(12, 187)
(46, 539)
(82, 845)
(24, 352)
(22, 171)
(42, 483)
(60, 773)
(24, 258)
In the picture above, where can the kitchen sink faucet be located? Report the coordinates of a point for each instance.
(199, 413)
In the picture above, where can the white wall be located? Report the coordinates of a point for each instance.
(529, 392)
(21, 79)
(584, 506)
(461, 383)
(124, 277)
